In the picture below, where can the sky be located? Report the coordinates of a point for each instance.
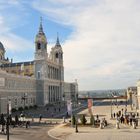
(100, 38)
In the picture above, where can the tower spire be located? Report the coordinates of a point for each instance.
(57, 41)
(41, 27)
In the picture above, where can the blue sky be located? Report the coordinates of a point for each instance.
(100, 38)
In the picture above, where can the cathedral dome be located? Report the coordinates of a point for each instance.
(2, 47)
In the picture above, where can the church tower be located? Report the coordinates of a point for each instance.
(40, 66)
(40, 53)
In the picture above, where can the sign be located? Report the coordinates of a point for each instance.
(90, 103)
(69, 107)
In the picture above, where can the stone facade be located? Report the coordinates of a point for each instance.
(14, 88)
(38, 82)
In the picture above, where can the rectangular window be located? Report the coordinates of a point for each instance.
(38, 75)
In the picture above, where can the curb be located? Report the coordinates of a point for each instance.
(50, 135)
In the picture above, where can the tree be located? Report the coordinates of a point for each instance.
(83, 119)
(73, 120)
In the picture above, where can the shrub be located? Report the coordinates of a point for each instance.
(92, 120)
(26, 108)
(73, 120)
(20, 109)
(83, 119)
(30, 107)
(14, 110)
(35, 106)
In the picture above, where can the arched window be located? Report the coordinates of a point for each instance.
(56, 55)
(38, 46)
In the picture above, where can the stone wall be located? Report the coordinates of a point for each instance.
(21, 90)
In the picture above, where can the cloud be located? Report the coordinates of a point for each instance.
(11, 15)
(103, 49)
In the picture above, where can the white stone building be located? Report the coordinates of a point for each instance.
(45, 86)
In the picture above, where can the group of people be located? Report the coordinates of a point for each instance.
(126, 118)
(103, 122)
(10, 121)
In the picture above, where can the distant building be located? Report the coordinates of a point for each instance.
(132, 97)
(38, 82)
(138, 93)
(71, 92)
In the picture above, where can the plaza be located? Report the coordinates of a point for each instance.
(126, 132)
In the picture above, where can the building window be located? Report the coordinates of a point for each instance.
(56, 55)
(38, 75)
(38, 46)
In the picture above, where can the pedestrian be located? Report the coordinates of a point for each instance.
(27, 124)
(16, 119)
(52, 115)
(114, 114)
(40, 118)
(97, 116)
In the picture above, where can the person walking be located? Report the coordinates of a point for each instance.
(40, 117)
(114, 115)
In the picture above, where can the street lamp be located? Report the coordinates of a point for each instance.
(76, 122)
(8, 112)
(76, 125)
(126, 99)
(24, 98)
(130, 94)
(111, 109)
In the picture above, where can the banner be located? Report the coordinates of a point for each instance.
(90, 103)
(69, 107)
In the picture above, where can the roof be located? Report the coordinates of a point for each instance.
(17, 64)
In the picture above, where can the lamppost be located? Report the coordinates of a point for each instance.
(71, 114)
(76, 124)
(8, 112)
(111, 109)
(126, 99)
(63, 98)
(24, 98)
(136, 102)
(130, 94)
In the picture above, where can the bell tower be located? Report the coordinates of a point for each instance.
(59, 51)
(40, 53)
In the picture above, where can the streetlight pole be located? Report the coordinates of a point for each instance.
(7, 124)
(71, 115)
(111, 108)
(24, 98)
(76, 124)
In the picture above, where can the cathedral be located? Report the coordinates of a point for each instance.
(38, 82)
